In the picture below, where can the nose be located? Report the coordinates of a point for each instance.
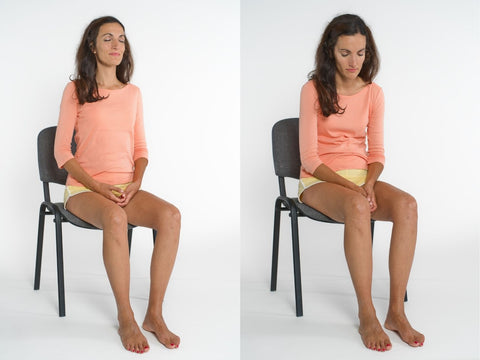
(353, 61)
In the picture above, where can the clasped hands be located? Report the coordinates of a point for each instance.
(367, 191)
(117, 195)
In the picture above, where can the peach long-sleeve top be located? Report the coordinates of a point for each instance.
(109, 134)
(340, 140)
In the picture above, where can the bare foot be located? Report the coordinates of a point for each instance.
(399, 323)
(131, 336)
(372, 334)
(156, 325)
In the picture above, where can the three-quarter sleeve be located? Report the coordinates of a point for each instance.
(140, 143)
(376, 151)
(308, 132)
(66, 125)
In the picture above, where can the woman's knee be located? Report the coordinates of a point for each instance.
(357, 207)
(115, 218)
(169, 216)
(406, 207)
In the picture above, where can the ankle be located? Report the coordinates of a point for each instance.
(154, 311)
(125, 316)
(396, 310)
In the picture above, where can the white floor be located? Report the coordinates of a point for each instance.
(328, 329)
(31, 329)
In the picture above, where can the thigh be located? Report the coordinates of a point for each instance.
(391, 202)
(146, 209)
(334, 200)
(92, 208)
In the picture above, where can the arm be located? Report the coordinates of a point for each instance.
(131, 190)
(376, 152)
(374, 171)
(323, 172)
(140, 155)
(75, 170)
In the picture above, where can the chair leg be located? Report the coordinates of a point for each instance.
(372, 227)
(60, 274)
(296, 264)
(38, 263)
(276, 238)
(129, 236)
(154, 236)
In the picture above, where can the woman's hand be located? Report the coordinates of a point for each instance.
(368, 188)
(356, 188)
(111, 192)
(128, 193)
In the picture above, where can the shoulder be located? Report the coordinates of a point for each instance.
(70, 92)
(374, 86)
(309, 90)
(70, 88)
(375, 89)
(132, 90)
(376, 92)
(308, 86)
(132, 87)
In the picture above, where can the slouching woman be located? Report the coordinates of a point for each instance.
(105, 174)
(341, 112)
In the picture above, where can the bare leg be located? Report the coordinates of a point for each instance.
(353, 209)
(148, 210)
(105, 214)
(400, 208)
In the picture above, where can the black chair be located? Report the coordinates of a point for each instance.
(286, 159)
(50, 173)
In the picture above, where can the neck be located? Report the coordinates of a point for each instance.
(106, 76)
(348, 86)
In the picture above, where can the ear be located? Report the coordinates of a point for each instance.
(92, 48)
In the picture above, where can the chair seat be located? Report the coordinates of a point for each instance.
(68, 216)
(312, 213)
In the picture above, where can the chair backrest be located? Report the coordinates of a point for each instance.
(285, 146)
(47, 165)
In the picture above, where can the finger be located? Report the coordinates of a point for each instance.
(125, 199)
(116, 190)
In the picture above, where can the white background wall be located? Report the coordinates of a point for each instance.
(429, 72)
(187, 58)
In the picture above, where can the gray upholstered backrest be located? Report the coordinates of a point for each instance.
(286, 153)
(47, 165)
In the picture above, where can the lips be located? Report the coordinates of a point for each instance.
(352, 70)
(115, 54)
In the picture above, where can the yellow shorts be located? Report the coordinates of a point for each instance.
(75, 190)
(357, 176)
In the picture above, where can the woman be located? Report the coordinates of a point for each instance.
(105, 175)
(341, 111)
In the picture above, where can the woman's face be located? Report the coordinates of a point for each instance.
(110, 44)
(349, 53)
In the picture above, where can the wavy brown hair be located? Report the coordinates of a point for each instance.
(325, 68)
(86, 62)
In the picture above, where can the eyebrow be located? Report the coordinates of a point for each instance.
(350, 50)
(112, 34)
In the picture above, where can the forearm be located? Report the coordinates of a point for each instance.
(140, 166)
(323, 172)
(373, 173)
(79, 174)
